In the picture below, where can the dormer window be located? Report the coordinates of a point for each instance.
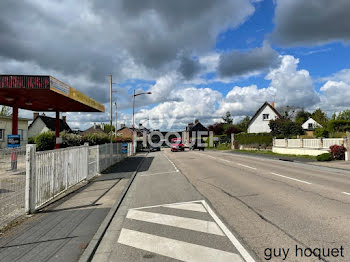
(265, 116)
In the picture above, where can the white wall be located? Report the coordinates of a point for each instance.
(6, 124)
(262, 126)
(36, 128)
(299, 151)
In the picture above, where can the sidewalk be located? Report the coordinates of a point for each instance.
(63, 230)
(164, 218)
(339, 164)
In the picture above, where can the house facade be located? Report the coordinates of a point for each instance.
(259, 123)
(6, 129)
(193, 127)
(310, 125)
(42, 123)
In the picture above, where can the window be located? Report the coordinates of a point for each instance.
(265, 116)
(2, 133)
(311, 126)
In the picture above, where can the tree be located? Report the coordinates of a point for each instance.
(107, 128)
(232, 129)
(285, 127)
(302, 116)
(243, 124)
(227, 118)
(217, 128)
(288, 111)
(5, 111)
(344, 115)
(320, 117)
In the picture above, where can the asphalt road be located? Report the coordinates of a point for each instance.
(282, 211)
(164, 218)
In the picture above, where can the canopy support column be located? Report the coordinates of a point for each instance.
(57, 130)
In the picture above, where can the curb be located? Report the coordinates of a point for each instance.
(97, 238)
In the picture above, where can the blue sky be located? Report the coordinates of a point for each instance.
(199, 59)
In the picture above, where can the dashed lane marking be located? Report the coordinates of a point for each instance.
(254, 168)
(298, 180)
(346, 193)
(177, 170)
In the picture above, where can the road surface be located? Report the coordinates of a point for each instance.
(283, 211)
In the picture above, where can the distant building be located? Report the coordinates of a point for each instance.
(126, 132)
(310, 125)
(259, 123)
(95, 129)
(6, 129)
(42, 123)
(196, 127)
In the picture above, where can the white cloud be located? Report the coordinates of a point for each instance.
(293, 87)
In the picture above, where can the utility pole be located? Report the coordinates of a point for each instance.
(111, 110)
(116, 114)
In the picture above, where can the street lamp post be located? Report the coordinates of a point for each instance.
(133, 117)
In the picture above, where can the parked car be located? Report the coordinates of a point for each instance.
(177, 145)
(154, 148)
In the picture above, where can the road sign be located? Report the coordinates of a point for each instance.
(124, 148)
(13, 141)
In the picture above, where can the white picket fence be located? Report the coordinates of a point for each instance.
(319, 143)
(50, 173)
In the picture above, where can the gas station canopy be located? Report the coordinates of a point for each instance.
(44, 93)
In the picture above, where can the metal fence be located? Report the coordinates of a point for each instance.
(41, 176)
(12, 183)
(58, 170)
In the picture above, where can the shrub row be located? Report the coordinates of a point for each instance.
(46, 140)
(254, 139)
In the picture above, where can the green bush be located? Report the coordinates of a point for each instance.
(96, 139)
(260, 139)
(324, 157)
(339, 125)
(321, 132)
(45, 141)
(31, 140)
(69, 139)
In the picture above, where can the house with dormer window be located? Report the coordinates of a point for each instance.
(259, 123)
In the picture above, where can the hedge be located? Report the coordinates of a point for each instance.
(254, 139)
(339, 125)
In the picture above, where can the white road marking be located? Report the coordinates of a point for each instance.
(188, 206)
(174, 248)
(176, 221)
(161, 173)
(195, 201)
(177, 170)
(346, 193)
(302, 181)
(254, 168)
(229, 234)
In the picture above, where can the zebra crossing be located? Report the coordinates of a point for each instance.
(188, 231)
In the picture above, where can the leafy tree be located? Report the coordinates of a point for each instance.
(5, 111)
(107, 128)
(243, 124)
(320, 117)
(302, 116)
(344, 115)
(285, 127)
(231, 129)
(217, 128)
(227, 118)
(288, 111)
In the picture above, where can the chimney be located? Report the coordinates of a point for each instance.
(64, 118)
(122, 125)
(35, 115)
(273, 104)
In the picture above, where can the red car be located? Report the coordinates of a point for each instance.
(177, 145)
